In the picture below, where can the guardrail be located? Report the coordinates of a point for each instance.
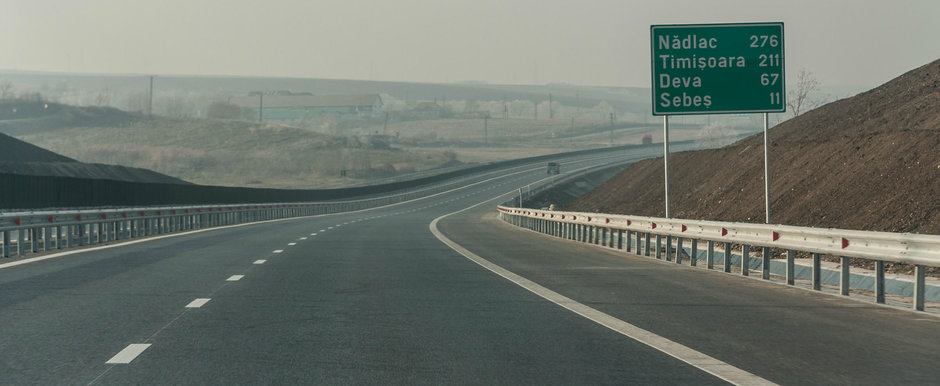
(635, 233)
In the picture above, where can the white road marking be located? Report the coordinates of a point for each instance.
(313, 234)
(128, 353)
(291, 244)
(700, 360)
(199, 302)
(278, 250)
(260, 262)
(303, 238)
(235, 278)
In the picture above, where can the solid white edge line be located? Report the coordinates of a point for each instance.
(235, 278)
(676, 350)
(128, 354)
(199, 302)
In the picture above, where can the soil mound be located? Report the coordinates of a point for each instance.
(869, 162)
(14, 150)
(18, 157)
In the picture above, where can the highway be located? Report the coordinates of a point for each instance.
(376, 297)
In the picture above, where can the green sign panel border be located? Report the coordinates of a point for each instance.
(705, 111)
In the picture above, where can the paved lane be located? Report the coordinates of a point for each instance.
(786, 335)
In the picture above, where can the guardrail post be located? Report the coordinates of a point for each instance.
(765, 264)
(6, 243)
(629, 239)
(659, 247)
(620, 239)
(710, 255)
(844, 279)
(694, 255)
(791, 266)
(919, 287)
(648, 244)
(879, 281)
(745, 260)
(678, 249)
(34, 239)
(727, 262)
(817, 272)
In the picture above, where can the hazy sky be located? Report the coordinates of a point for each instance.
(602, 42)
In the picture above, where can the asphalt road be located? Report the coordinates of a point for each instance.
(374, 297)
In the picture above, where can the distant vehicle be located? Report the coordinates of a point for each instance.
(647, 139)
(553, 168)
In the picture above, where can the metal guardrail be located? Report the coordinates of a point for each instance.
(619, 231)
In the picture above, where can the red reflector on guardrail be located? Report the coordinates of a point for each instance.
(51, 219)
(124, 214)
(724, 231)
(654, 225)
(684, 228)
(607, 221)
(143, 214)
(629, 222)
(776, 236)
(79, 217)
(104, 216)
(17, 221)
(845, 243)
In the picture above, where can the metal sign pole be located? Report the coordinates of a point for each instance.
(666, 158)
(766, 174)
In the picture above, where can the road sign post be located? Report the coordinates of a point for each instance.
(718, 69)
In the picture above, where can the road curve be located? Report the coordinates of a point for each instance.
(375, 297)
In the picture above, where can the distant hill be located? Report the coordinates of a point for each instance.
(18, 157)
(14, 150)
(870, 162)
(21, 117)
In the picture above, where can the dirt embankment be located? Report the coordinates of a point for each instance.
(870, 162)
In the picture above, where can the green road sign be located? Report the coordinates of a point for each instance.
(717, 68)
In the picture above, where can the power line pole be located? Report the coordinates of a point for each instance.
(551, 113)
(150, 100)
(485, 129)
(385, 127)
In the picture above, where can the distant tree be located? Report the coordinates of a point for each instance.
(799, 100)
(6, 90)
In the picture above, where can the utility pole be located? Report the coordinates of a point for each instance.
(611, 129)
(150, 100)
(485, 129)
(261, 107)
(385, 127)
(551, 113)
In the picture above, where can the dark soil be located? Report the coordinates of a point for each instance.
(869, 162)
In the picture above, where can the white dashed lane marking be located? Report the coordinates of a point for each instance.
(128, 353)
(235, 278)
(259, 262)
(291, 244)
(199, 302)
(278, 250)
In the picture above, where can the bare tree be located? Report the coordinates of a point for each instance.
(799, 98)
(6, 90)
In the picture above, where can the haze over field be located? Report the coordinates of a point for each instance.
(859, 43)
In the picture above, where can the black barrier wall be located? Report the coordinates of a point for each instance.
(41, 192)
